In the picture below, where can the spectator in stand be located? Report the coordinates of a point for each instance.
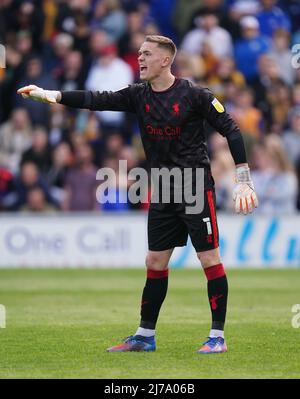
(114, 144)
(61, 122)
(274, 178)
(73, 18)
(87, 124)
(39, 112)
(73, 76)
(6, 185)
(248, 118)
(135, 25)
(281, 54)
(36, 202)
(19, 50)
(241, 8)
(250, 48)
(28, 178)
(110, 73)
(109, 16)
(210, 60)
(6, 16)
(182, 15)
(98, 41)
(135, 42)
(40, 151)
(15, 138)
(291, 136)
(62, 45)
(81, 32)
(268, 76)
(279, 100)
(62, 160)
(226, 73)
(209, 31)
(230, 94)
(228, 16)
(81, 183)
(50, 9)
(161, 11)
(28, 16)
(24, 48)
(271, 18)
(292, 9)
(189, 66)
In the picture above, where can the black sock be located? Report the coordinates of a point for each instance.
(153, 296)
(217, 289)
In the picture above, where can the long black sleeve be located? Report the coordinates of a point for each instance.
(120, 100)
(74, 98)
(214, 112)
(216, 115)
(237, 147)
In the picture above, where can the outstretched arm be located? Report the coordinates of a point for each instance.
(120, 100)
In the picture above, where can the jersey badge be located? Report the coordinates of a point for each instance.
(176, 109)
(218, 106)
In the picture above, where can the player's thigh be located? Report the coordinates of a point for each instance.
(166, 230)
(203, 227)
(158, 260)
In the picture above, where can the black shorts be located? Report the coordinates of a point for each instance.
(169, 225)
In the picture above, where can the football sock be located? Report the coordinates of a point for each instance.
(216, 333)
(153, 296)
(145, 332)
(217, 289)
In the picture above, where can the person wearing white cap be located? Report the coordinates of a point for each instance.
(250, 47)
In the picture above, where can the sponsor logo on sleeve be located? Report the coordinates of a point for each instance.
(218, 106)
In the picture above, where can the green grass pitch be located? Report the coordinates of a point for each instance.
(59, 323)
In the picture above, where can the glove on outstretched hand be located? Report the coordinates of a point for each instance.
(38, 94)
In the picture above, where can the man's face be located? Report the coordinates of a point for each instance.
(152, 60)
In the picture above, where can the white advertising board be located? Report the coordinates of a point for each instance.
(120, 240)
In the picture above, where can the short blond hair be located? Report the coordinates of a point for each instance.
(163, 42)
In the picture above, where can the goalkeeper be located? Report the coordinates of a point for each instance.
(172, 115)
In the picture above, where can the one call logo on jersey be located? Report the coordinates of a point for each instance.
(165, 132)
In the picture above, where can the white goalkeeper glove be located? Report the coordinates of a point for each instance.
(244, 195)
(39, 94)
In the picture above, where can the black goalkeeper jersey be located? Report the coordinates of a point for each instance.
(172, 122)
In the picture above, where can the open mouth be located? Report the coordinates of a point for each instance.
(143, 68)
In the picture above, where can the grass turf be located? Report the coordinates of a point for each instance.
(59, 323)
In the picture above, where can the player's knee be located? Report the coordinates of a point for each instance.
(156, 262)
(209, 258)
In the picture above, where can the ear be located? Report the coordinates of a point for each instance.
(166, 61)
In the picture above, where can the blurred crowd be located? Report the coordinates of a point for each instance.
(241, 49)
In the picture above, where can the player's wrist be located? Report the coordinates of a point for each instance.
(57, 96)
(50, 95)
(242, 174)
